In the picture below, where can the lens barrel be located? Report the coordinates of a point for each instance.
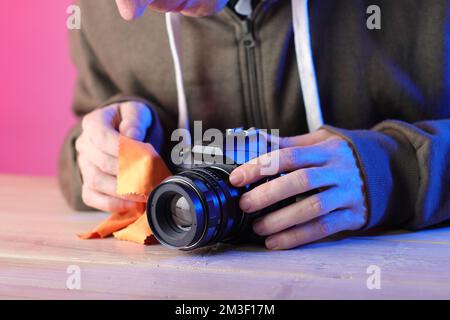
(210, 200)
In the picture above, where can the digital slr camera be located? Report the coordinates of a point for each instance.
(198, 206)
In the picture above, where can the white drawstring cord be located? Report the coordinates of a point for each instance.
(306, 64)
(173, 25)
(304, 59)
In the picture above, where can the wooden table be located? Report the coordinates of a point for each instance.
(38, 244)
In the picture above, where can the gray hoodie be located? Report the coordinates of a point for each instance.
(385, 91)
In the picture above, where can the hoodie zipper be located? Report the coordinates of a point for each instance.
(249, 44)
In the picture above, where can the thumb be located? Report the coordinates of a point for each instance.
(136, 118)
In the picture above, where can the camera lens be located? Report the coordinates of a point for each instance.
(181, 213)
(196, 208)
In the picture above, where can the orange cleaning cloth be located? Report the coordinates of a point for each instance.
(141, 169)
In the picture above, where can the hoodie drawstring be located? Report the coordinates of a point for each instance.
(308, 80)
(173, 25)
(307, 72)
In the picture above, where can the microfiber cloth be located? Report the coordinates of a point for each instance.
(141, 169)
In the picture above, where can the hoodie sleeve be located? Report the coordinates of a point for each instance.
(94, 89)
(407, 172)
(406, 163)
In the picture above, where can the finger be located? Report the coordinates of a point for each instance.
(81, 142)
(105, 203)
(104, 162)
(286, 186)
(283, 160)
(303, 211)
(318, 229)
(136, 118)
(82, 162)
(98, 181)
(100, 127)
(306, 139)
(167, 5)
(102, 182)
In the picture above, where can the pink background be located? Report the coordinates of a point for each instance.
(36, 84)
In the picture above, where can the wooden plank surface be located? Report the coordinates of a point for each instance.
(38, 244)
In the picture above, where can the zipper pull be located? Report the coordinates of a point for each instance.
(248, 40)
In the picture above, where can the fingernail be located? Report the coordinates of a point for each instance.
(245, 203)
(236, 178)
(271, 243)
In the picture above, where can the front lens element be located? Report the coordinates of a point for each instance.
(181, 213)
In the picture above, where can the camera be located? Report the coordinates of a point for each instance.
(198, 206)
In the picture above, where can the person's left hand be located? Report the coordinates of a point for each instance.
(318, 161)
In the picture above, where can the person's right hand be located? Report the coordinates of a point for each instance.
(98, 148)
(132, 9)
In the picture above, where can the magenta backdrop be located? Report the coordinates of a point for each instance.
(36, 84)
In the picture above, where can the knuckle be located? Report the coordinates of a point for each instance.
(104, 164)
(268, 159)
(292, 239)
(295, 239)
(286, 240)
(275, 221)
(302, 180)
(264, 196)
(95, 181)
(87, 120)
(86, 196)
(79, 143)
(91, 180)
(83, 162)
(289, 157)
(325, 227)
(82, 165)
(358, 220)
(337, 145)
(350, 198)
(349, 180)
(283, 142)
(86, 178)
(315, 205)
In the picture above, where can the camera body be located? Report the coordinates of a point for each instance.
(198, 206)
